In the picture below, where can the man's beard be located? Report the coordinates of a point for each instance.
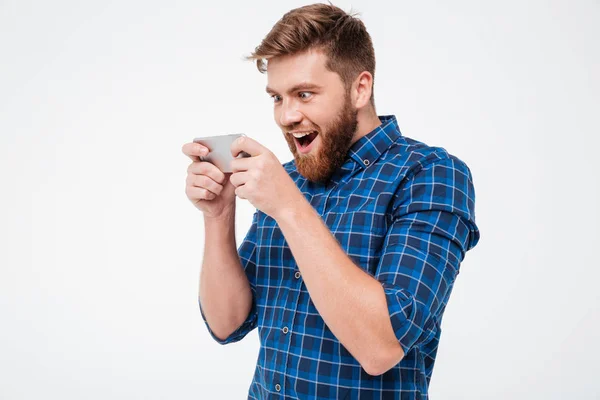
(336, 139)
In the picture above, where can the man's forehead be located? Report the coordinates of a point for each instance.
(284, 72)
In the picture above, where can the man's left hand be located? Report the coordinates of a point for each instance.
(261, 179)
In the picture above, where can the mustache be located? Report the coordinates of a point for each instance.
(301, 129)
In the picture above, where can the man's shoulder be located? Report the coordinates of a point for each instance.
(411, 155)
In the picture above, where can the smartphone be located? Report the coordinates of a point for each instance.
(219, 148)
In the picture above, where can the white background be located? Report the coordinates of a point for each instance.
(101, 249)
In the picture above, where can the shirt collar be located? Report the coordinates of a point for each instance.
(367, 149)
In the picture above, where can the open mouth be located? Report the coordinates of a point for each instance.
(305, 141)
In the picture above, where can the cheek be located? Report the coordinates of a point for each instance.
(316, 117)
(322, 114)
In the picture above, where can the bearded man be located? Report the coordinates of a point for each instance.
(355, 243)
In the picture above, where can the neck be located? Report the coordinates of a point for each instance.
(367, 121)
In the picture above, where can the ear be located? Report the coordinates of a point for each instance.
(362, 88)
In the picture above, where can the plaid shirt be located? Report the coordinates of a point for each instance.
(402, 211)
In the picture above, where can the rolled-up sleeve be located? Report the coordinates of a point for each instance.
(247, 254)
(431, 229)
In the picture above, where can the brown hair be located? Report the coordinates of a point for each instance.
(343, 39)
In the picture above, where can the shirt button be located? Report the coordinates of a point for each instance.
(366, 162)
(297, 275)
(278, 387)
(285, 329)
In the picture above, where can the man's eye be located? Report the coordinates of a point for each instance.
(305, 95)
(276, 98)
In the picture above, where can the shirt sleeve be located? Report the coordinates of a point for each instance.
(247, 254)
(432, 227)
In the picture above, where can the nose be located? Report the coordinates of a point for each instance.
(289, 114)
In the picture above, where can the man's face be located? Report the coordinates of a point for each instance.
(310, 99)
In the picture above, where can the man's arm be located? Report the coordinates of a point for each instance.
(225, 296)
(380, 318)
(351, 302)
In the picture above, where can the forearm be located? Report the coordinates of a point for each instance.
(351, 302)
(224, 291)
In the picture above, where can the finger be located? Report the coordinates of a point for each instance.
(194, 151)
(250, 146)
(203, 181)
(196, 193)
(241, 192)
(208, 169)
(239, 178)
(241, 164)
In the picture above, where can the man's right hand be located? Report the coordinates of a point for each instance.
(206, 186)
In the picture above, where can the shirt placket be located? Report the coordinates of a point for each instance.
(281, 381)
(290, 315)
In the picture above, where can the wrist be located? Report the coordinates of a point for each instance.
(226, 215)
(220, 227)
(293, 210)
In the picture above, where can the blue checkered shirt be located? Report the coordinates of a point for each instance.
(403, 212)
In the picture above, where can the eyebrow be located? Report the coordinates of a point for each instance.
(301, 86)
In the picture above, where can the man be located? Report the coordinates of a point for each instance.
(355, 244)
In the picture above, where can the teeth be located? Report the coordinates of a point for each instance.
(301, 134)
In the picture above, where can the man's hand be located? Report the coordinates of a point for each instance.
(206, 186)
(262, 180)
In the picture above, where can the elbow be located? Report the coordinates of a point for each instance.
(220, 336)
(374, 370)
(386, 360)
